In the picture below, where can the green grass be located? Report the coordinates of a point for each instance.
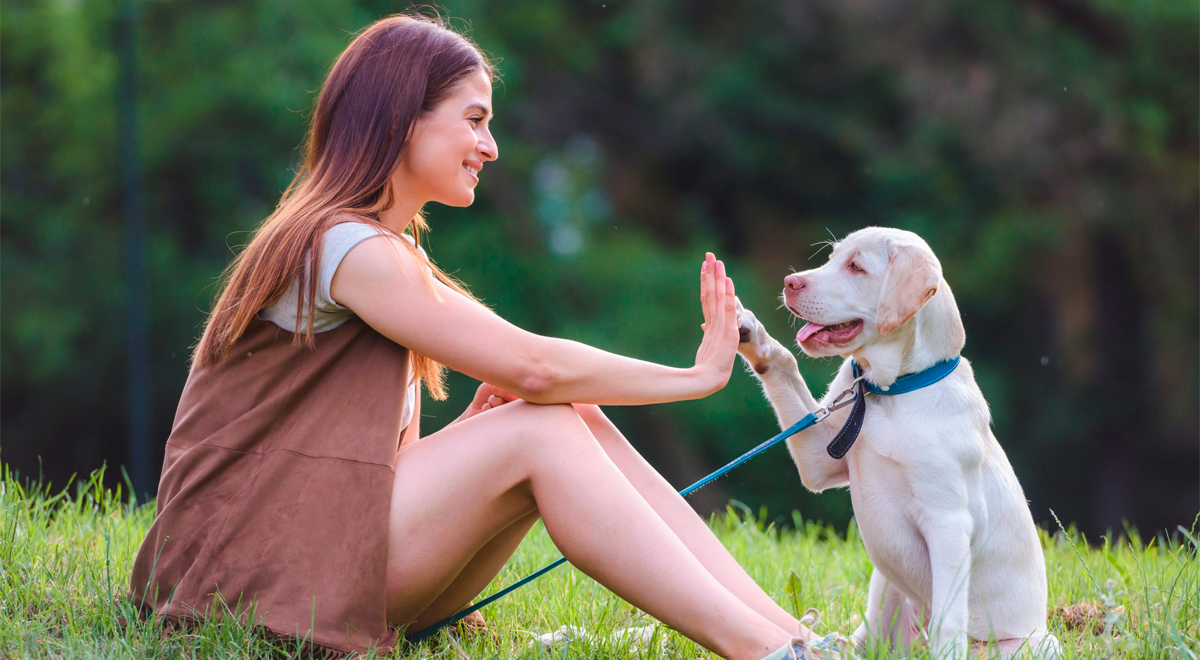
(65, 556)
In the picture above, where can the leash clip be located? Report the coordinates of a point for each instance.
(843, 399)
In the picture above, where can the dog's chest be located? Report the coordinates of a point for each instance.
(884, 510)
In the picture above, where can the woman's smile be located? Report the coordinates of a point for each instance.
(472, 167)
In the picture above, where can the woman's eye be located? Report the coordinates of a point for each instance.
(855, 267)
(475, 120)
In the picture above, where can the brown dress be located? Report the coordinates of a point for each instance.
(276, 488)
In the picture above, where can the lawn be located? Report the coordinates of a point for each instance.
(65, 555)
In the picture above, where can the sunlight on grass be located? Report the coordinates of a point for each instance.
(65, 560)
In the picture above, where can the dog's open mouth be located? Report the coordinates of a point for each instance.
(839, 333)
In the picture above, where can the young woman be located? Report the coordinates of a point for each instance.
(295, 478)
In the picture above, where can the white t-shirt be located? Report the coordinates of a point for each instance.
(328, 313)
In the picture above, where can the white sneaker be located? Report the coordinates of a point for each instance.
(639, 637)
(633, 638)
(559, 637)
(833, 646)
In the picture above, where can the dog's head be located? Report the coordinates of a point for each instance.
(875, 292)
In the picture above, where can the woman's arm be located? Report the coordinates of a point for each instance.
(384, 285)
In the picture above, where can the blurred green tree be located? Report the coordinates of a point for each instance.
(1046, 149)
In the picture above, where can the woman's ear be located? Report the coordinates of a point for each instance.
(911, 280)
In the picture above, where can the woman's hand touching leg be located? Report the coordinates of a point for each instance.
(487, 397)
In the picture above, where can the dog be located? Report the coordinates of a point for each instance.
(957, 560)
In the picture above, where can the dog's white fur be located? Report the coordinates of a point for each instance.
(938, 506)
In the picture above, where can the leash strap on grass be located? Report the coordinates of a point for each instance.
(807, 421)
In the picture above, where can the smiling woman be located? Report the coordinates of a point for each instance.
(447, 150)
(295, 477)
(396, 71)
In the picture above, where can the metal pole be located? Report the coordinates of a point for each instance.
(136, 287)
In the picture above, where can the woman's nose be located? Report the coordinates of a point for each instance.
(487, 149)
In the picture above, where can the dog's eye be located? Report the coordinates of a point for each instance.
(855, 267)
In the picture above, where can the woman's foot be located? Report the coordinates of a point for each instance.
(469, 625)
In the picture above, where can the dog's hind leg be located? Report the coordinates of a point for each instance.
(892, 620)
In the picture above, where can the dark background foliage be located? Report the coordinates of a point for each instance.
(1046, 149)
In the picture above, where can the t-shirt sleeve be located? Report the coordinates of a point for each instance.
(339, 239)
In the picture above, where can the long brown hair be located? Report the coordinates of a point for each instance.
(394, 70)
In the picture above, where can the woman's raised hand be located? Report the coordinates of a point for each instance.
(718, 348)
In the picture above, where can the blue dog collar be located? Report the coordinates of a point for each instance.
(913, 381)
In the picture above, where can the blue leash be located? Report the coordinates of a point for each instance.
(807, 421)
(849, 396)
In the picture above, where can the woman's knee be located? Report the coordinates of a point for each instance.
(571, 427)
(605, 432)
(552, 427)
(590, 413)
(543, 413)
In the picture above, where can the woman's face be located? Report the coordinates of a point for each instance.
(449, 145)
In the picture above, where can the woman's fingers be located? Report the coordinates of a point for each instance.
(716, 315)
(719, 299)
(707, 284)
(503, 394)
(717, 295)
(718, 348)
(719, 290)
(499, 397)
(489, 396)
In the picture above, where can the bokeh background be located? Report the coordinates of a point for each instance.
(1046, 149)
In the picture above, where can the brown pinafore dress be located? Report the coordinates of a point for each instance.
(276, 488)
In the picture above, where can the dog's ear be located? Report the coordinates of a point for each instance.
(912, 279)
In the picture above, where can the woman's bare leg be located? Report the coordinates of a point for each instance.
(682, 519)
(457, 489)
(478, 573)
(665, 501)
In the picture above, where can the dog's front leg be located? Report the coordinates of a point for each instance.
(776, 368)
(777, 371)
(949, 541)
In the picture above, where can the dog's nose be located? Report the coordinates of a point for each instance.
(795, 282)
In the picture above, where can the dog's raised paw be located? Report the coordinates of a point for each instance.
(755, 342)
(748, 325)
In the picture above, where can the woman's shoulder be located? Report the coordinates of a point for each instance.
(352, 227)
(349, 231)
(353, 224)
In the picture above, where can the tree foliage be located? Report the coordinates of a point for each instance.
(1046, 149)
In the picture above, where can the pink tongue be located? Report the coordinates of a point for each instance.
(808, 330)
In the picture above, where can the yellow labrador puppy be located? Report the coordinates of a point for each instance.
(957, 560)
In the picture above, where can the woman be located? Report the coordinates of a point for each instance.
(295, 478)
